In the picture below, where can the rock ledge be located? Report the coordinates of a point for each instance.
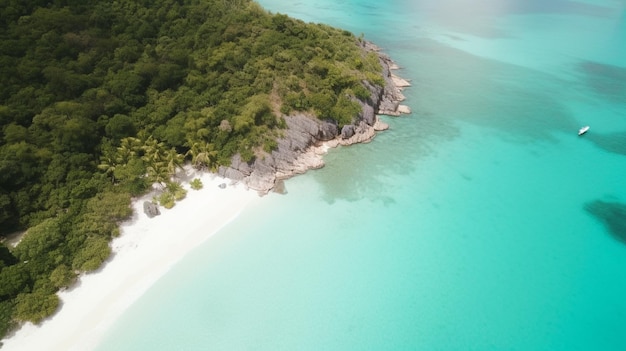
(307, 139)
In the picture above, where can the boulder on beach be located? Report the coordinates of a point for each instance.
(151, 209)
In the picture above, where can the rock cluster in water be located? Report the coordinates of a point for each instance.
(307, 138)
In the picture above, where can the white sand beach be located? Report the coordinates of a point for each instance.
(145, 251)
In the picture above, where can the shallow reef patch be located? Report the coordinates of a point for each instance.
(612, 214)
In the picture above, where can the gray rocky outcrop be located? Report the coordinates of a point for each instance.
(307, 138)
(347, 131)
(151, 209)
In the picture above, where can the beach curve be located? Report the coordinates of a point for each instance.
(143, 253)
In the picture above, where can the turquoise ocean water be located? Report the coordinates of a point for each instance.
(481, 221)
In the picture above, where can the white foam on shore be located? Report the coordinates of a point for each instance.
(145, 251)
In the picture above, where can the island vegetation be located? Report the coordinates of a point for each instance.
(101, 99)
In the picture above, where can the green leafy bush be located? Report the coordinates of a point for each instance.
(177, 191)
(7, 322)
(62, 276)
(196, 184)
(167, 200)
(35, 307)
(90, 256)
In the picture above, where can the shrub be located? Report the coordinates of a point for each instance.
(94, 252)
(62, 276)
(36, 306)
(167, 200)
(6, 317)
(177, 191)
(196, 184)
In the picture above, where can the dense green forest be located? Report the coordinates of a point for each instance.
(101, 99)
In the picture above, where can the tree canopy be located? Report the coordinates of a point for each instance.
(101, 99)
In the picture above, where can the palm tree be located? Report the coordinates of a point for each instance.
(202, 155)
(128, 149)
(177, 190)
(107, 164)
(154, 159)
(173, 160)
(158, 172)
(152, 150)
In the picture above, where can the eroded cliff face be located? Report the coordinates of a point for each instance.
(307, 138)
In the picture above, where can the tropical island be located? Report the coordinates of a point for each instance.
(101, 100)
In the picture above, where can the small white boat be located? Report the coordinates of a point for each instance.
(583, 130)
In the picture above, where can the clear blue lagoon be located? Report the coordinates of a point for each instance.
(481, 221)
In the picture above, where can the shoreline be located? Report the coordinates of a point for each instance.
(313, 157)
(146, 249)
(307, 138)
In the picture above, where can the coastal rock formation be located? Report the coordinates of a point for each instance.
(307, 138)
(150, 209)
